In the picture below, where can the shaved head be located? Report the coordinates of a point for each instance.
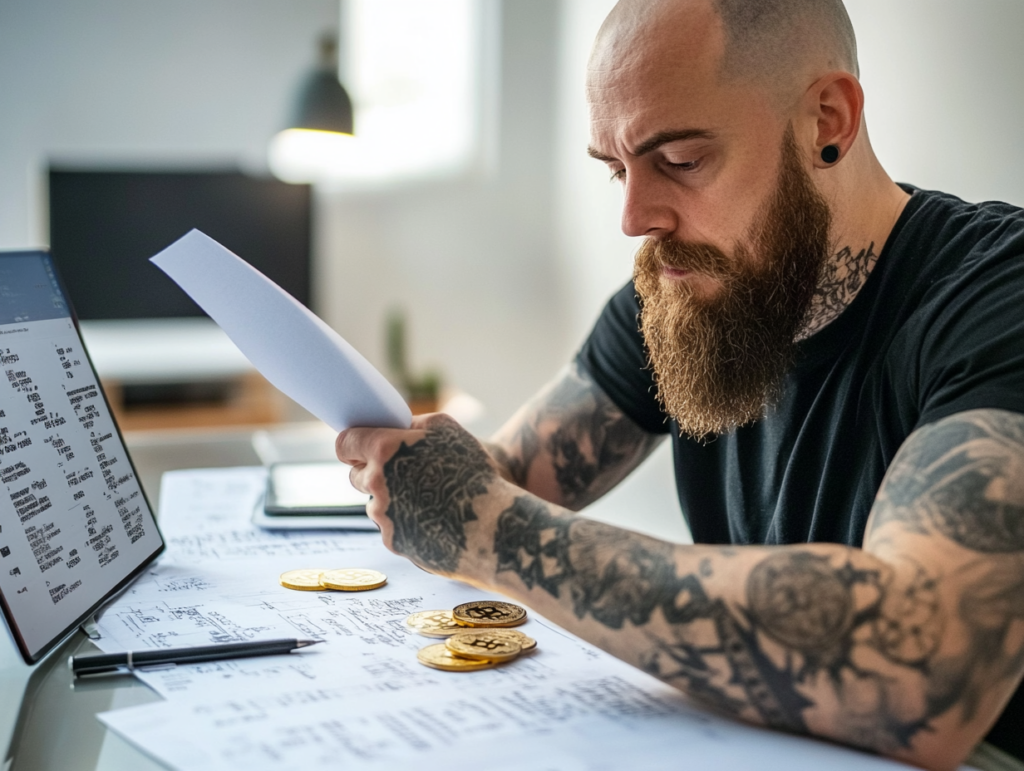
(773, 37)
(767, 41)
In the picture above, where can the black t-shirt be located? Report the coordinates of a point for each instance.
(938, 328)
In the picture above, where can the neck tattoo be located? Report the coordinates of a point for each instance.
(842, 278)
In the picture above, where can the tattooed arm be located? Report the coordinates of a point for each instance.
(570, 444)
(909, 647)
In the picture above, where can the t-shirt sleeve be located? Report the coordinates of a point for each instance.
(615, 358)
(972, 353)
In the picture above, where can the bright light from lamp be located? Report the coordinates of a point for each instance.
(411, 68)
(302, 155)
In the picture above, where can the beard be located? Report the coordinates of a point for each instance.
(719, 359)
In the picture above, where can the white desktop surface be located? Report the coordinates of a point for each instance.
(140, 351)
(47, 722)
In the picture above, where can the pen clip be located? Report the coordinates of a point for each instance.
(123, 670)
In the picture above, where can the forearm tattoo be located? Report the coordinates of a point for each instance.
(589, 442)
(431, 485)
(819, 626)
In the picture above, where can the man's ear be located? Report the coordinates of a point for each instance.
(836, 102)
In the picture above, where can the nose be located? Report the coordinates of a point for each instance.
(645, 212)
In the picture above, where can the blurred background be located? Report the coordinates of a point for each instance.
(468, 211)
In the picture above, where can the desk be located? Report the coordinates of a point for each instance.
(46, 724)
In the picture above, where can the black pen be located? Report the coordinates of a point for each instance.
(112, 663)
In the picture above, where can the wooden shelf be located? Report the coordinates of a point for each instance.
(251, 401)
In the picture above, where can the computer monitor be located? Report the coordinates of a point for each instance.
(106, 224)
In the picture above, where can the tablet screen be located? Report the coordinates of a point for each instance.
(75, 525)
(309, 486)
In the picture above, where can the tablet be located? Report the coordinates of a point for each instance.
(75, 524)
(314, 495)
(310, 489)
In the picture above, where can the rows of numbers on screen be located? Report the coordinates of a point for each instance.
(59, 452)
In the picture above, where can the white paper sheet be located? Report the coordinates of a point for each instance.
(594, 720)
(361, 700)
(293, 348)
(219, 583)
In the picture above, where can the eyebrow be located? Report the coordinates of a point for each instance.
(656, 141)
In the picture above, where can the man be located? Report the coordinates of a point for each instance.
(839, 362)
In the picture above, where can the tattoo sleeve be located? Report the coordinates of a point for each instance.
(571, 444)
(894, 648)
(431, 486)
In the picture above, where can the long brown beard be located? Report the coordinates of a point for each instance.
(720, 360)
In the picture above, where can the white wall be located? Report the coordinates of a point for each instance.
(945, 104)
(143, 82)
(189, 81)
(595, 256)
(473, 259)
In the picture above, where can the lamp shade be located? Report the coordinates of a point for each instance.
(323, 104)
(319, 134)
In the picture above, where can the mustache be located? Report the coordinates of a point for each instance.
(695, 257)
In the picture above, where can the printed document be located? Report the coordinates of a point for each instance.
(361, 700)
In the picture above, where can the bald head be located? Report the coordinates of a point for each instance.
(775, 36)
(775, 42)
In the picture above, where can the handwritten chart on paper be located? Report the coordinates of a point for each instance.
(292, 347)
(361, 700)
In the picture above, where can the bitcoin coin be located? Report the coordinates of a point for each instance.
(439, 657)
(305, 580)
(483, 645)
(352, 579)
(489, 613)
(434, 623)
(525, 641)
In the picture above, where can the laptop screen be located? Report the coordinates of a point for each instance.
(75, 525)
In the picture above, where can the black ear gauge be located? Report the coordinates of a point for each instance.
(830, 154)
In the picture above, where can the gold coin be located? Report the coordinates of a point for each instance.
(305, 580)
(352, 579)
(525, 641)
(483, 645)
(434, 623)
(439, 657)
(489, 613)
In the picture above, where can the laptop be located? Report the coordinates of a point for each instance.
(75, 524)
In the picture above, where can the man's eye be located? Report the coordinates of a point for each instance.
(617, 176)
(685, 165)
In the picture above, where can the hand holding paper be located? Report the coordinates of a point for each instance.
(292, 347)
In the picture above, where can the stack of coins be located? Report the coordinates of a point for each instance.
(341, 579)
(478, 635)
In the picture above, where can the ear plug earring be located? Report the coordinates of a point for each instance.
(830, 154)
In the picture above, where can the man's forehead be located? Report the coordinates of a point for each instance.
(657, 68)
(658, 35)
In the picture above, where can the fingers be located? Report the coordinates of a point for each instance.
(356, 446)
(353, 445)
(359, 476)
(432, 420)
